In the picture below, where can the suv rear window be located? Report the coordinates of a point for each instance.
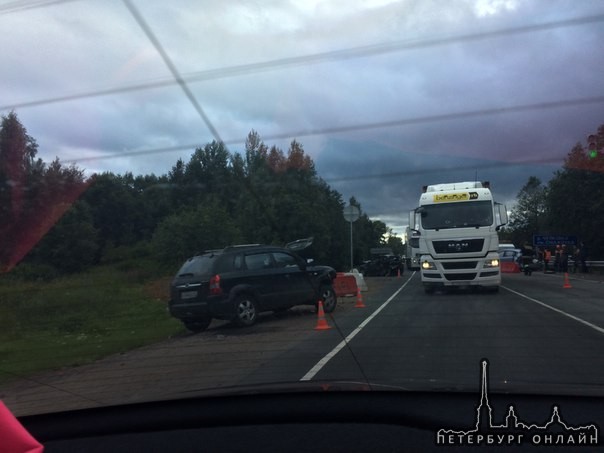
(198, 265)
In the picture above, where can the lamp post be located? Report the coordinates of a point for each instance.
(351, 214)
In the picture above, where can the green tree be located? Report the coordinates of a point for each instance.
(395, 243)
(576, 197)
(182, 235)
(72, 244)
(116, 209)
(528, 216)
(33, 195)
(17, 153)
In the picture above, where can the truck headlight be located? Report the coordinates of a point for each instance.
(491, 263)
(427, 265)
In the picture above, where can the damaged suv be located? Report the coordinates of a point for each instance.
(238, 282)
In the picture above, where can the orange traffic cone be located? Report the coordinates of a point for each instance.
(321, 321)
(566, 281)
(359, 303)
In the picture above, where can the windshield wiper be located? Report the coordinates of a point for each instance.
(187, 274)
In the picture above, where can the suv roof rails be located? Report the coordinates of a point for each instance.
(205, 252)
(238, 246)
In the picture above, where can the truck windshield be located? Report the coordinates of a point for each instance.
(457, 215)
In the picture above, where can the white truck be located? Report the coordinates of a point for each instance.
(457, 225)
(412, 252)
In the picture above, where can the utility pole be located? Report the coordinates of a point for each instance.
(351, 214)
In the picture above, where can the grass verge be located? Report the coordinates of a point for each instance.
(77, 319)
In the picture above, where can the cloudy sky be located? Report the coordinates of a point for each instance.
(385, 95)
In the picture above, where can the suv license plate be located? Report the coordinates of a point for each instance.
(188, 294)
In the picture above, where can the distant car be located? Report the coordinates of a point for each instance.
(510, 254)
(239, 282)
(515, 256)
(383, 266)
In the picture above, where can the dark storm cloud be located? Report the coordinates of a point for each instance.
(387, 181)
(324, 73)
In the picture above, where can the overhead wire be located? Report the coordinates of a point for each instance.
(564, 103)
(355, 52)
(322, 57)
(23, 5)
(175, 73)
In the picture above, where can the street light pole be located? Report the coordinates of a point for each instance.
(351, 260)
(351, 214)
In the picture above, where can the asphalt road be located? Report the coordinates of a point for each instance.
(538, 337)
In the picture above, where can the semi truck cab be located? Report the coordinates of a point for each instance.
(457, 225)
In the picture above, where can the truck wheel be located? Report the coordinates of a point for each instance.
(198, 325)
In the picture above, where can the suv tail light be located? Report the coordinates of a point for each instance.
(215, 288)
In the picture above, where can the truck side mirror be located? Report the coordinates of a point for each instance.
(503, 215)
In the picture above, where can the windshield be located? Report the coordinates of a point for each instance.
(135, 135)
(457, 215)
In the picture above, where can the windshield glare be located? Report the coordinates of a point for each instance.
(457, 215)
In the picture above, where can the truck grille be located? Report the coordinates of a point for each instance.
(462, 246)
(460, 265)
(454, 277)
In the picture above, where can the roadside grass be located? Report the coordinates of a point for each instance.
(80, 318)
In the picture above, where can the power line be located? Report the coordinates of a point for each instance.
(376, 125)
(494, 164)
(151, 36)
(323, 57)
(16, 6)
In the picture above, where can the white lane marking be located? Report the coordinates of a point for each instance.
(582, 321)
(321, 363)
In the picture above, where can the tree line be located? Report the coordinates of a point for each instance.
(54, 219)
(570, 204)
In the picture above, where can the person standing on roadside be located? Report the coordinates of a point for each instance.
(547, 256)
(527, 258)
(576, 259)
(583, 256)
(564, 259)
(557, 256)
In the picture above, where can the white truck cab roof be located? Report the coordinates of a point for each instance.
(457, 186)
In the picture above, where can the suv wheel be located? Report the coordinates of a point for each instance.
(328, 297)
(198, 325)
(246, 309)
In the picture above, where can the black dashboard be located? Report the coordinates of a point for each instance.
(325, 421)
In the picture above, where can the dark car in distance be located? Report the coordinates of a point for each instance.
(238, 282)
(383, 266)
(510, 254)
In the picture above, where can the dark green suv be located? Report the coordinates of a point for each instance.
(238, 282)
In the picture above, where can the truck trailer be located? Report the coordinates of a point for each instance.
(457, 225)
